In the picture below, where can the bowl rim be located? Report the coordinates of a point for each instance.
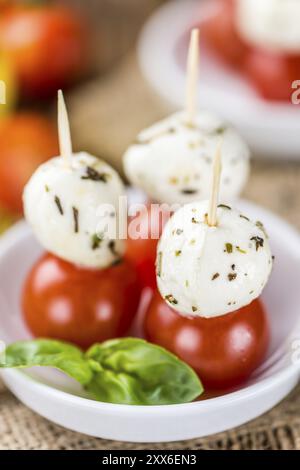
(21, 229)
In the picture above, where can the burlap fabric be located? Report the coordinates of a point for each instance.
(106, 115)
(22, 429)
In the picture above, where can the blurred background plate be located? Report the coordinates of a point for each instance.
(271, 129)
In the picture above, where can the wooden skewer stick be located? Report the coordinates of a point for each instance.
(192, 77)
(214, 198)
(65, 142)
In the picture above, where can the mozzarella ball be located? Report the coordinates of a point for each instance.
(272, 24)
(172, 162)
(205, 271)
(73, 210)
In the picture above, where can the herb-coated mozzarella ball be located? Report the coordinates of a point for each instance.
(73, 210)
(270, 24)
(172, 161)
(210, 271)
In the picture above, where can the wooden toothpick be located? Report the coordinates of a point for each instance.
(214, 198)
(65, 143)
(192, 77)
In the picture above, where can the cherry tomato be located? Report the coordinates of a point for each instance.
(272, 74)
(47, 45)
(26, 141)
(81, 306)
(220, 33)
(223, 351)
(141, 246)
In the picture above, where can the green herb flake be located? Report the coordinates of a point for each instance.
(171, 299)
(261, 226)
(223, 206)
(228, 248)
(112, 247)
(215, 276)
(179, 231)
(232, 276)
(259, 242)
(96, 241)
(244, 217)
(159, 263)
(233, 267)
(173, 180)
(94, 175)
(76, 219)
(194, 309)
(194, 221)
(117, 262)
(240, 250)
(186, 283)
(177, 253)
(189, 191)
(220, 130)
(47, 189)
(59, 206)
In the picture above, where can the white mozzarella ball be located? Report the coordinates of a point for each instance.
(172, 162)
(210, 271)
(270, 24)
(73, 210)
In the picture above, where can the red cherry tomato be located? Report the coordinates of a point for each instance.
(272, 74)
(26, 141)
(220, 33)
(78, 305)
(223, 351)
(47, 45)
(141, 247)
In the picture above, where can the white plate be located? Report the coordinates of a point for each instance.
(62, 401)
(271, 129)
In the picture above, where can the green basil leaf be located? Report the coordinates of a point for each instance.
(133, 371)
(46, 352)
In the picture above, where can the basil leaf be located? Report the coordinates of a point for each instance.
(44, 352)
(133, 371)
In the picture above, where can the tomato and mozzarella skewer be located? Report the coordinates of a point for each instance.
(71, 203)
(212, 259)
(172, 159)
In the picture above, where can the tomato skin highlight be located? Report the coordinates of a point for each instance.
(78, 305)
(26, 140)
(224, 351)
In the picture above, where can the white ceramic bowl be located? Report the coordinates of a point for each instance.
(62, 401)
(271, 129)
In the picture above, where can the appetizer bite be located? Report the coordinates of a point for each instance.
(82, 291)
(212, 263)
(172, 162)
(261, 39)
